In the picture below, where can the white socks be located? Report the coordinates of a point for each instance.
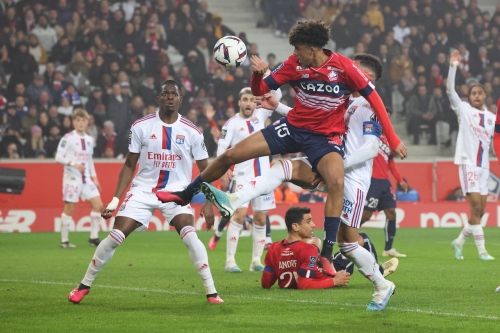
(464, 234)
(198, 255)
(259, 242)
(364, 261)
(233, 234)
(280, 172)
(102, 254)
(95, 221)
(477, 231)
(66, 222)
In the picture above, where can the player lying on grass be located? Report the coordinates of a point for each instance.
(323, 81)
(292, 262)
(163, 143)
(362, 143)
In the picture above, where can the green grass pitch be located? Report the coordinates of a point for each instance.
(151, 286)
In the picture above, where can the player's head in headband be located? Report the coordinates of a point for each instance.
(169, 100)
(298, 220)
(308, 39)
(477, 96)
(370, 64)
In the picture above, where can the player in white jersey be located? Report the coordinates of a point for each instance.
(248, 120)
(362, 144)
(476, 127)
(163, 144)
(79, 178)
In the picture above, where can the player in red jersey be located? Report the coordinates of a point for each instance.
(293, 262)
(496, 135)
(323, 81)
(381, 197)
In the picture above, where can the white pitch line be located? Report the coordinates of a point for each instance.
(164, 291)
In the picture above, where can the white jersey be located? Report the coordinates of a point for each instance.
(165, 152)
(77, 149)
(475, 131)
(358, 112)
(235, 130)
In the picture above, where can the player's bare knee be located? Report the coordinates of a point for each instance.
(477, 210)
(335, 184)
(259, 218)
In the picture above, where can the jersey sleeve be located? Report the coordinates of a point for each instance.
(226, 136)
(450, 90)
(199, 149)
(134, 140)
(357, 80)
(309, 276)
(269, 275)
(283, 74)
(62, 148)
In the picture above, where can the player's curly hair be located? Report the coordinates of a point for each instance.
(295, 215)
(370, 61)
(311, 33)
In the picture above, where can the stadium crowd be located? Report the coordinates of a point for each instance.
(109, 58)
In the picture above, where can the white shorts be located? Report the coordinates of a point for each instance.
(354, 201)
(140, 206)
(473, 179)
(73, 189)
(262, 203)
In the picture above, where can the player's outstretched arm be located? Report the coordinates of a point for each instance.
(371, 136)
(270, 102)
(450, 84)
(496, 135)
(126, 174)
(259, 67)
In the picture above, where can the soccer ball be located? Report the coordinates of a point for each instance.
(230, 52)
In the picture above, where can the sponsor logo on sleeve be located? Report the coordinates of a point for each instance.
(130, 137)
(203, 146)
(63, 143)
(312, 261)
(223, 134)
(278, 68)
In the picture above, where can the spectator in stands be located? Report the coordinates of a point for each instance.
(62, 52)
(52, 141)
(36, 50)
(11, 120)
(220, 30)
(316, 10)
(271, 62)
(197, 67)
(12, 151)
(72, 96)
(439, 105)
(106, 141)
(65, 109)
(401, 30)
(43, 103)
(45, 123)
(375, 16)
(45, 33)
(29, 120)
(66, 125)
(34, 142)
(456, 195)
(311, 197)
(406, 86)
(435, 78)
(117, 112)
(419, 114)
(148, 90)
(398, 67)
(23, 66)
(283, 194)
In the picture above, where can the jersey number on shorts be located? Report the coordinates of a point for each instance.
(282, 130)
(289, 276)
(471, 176)
(373, 202)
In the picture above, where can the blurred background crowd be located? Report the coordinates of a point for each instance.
(110, 56)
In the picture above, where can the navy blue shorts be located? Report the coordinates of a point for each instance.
(284, 138)
(380, 195)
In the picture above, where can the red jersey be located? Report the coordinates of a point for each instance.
(385, 161)
(294, 266)
(496, 134)
(322, 93)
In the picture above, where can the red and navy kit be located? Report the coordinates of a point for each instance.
(322, 93)
(496, 135)
(380, 196)
(294, 266)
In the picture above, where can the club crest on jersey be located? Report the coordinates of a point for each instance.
(312, 261)
(254, 120)
(332, 76)
(352, 109)
(179, 139)
(278, 68)
(490, 121)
